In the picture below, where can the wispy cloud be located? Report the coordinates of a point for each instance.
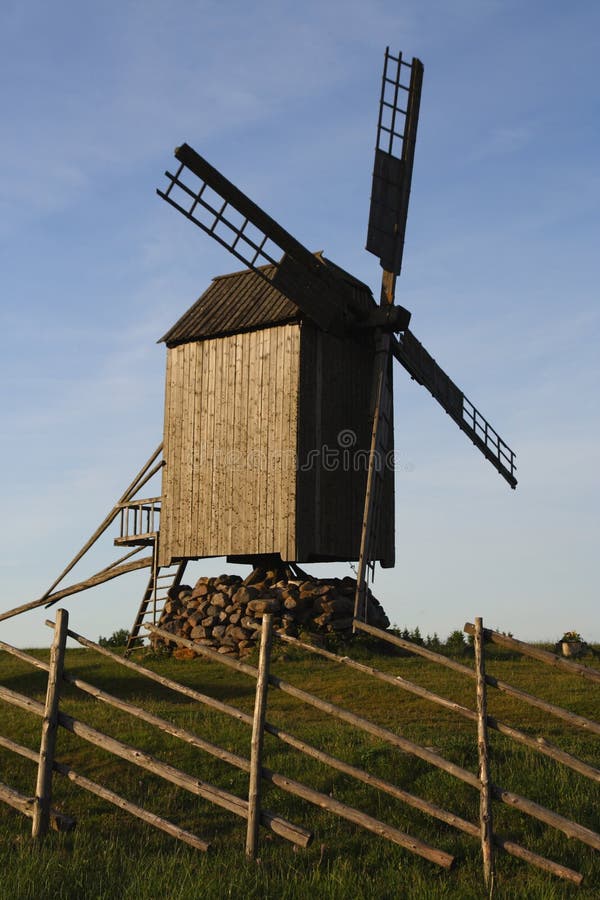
(503, 141)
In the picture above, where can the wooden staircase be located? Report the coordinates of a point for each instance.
(139, 527)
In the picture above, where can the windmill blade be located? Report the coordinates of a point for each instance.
(424, 369)
(213, 203)
(394, 156)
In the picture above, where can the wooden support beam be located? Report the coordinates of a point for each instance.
(485, 795)
(99, 578)
(382, 403)
(119, 561)
(258, 733)
(43, 789)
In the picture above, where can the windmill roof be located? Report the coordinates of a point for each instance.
(245, 301)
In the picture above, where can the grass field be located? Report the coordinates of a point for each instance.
(113, 855)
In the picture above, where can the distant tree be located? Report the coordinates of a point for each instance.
(455, 644)
(117, 639)
(433, 642)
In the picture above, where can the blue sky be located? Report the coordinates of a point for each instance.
(500, 271)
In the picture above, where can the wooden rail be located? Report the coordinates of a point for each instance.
(587, 835)
(571, 829)
(139, 520)
(146, 761)
(106, 794)
(551, 659)
(539, 745)
(588, 725)
(26, 805)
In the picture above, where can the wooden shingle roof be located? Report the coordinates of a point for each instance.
(245, 301)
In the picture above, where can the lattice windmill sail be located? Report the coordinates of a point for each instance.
(394, 155)
(328, 309)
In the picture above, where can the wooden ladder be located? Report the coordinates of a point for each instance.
(154, 597)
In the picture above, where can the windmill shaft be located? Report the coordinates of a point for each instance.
(388, 289)
(382, 416)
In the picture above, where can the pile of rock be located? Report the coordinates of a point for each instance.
(225, 613)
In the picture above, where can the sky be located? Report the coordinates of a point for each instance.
(500, 271)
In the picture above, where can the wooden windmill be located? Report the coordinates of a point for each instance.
(278, 429)
(296, 356)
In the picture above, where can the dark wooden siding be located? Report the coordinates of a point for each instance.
(229, 482)
(333, 446)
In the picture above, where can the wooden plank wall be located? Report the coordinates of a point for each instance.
(229, 483)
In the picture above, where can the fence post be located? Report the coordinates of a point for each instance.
(260, 708)
(43, 788)
(485, 802)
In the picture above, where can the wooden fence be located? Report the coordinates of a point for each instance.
(39, 807)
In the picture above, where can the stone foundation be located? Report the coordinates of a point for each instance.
(225, 613)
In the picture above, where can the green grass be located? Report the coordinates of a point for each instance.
(113, 855)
